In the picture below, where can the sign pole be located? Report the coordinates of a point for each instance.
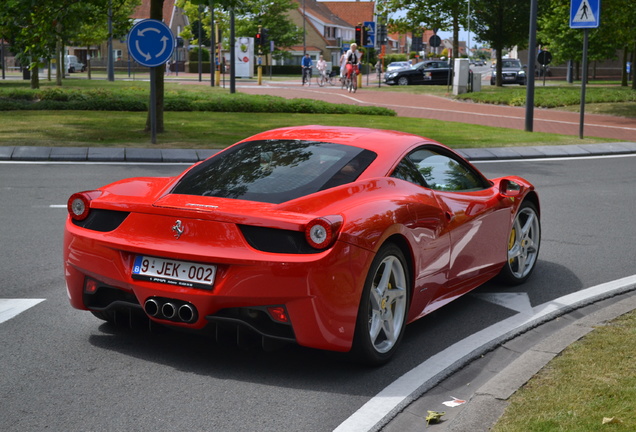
(584, 14)
(153, 105)
(151, 44)
(584, 83)
(532, 47)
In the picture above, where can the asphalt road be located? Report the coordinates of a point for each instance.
(62, 369)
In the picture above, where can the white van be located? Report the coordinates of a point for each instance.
(73, 64)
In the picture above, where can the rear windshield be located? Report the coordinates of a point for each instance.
(275, 171)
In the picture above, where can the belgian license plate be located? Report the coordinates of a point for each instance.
(173, 272)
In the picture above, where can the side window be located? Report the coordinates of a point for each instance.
(445, 173)
(408, 172)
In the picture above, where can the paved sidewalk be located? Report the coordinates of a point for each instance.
(443, 109)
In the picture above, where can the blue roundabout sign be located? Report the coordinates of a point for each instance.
(150, 43)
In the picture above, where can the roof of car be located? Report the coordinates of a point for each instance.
(379, 141)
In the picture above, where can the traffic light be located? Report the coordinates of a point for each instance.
(360, 35)
(382, 35)
(265, 36)
(258, 39)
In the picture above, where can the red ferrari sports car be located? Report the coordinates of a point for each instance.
(330, 237)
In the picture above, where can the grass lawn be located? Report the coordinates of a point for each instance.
(201, 129)
(593, 379)
(218, 130)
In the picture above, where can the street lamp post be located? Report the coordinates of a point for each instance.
(532, 47)
(212, 45)
(304, 30)
(111, 66)
(468, 42)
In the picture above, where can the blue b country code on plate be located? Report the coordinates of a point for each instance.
(174, 272)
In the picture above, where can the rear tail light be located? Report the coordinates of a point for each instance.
(322, 232)
(90, 286)
(278, 313)
(79, 204)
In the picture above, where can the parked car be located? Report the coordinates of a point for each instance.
(329, 237)
(393, 66)
(512, 72)
(73, 64)
(426, 72)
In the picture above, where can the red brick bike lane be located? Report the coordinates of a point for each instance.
(448, 110)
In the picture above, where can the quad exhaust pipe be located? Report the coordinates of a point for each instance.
(172, 310)
(187, 313)
(168, 310)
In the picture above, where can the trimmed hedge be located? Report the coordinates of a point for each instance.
(135, 99)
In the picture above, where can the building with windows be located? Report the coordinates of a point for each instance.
(329, 27)
(173, 16)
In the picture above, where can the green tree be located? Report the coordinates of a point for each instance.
(93, 29)
(270, 14)
(274, 16)
(427, 14)
(30, 27)
(501, 24)
(616, 32)
(39, 30)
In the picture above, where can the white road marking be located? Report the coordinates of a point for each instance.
(10, 308)
(519, 302)
(411, 385)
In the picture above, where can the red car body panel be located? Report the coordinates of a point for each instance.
(449, 238)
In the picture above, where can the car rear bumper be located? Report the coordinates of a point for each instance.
(320, 293)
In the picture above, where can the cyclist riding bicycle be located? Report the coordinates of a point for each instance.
(321, 66)
(306, 65)
(352, 57)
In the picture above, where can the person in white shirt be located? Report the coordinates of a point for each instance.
(343, 64)
(352, 59)
(321, 65)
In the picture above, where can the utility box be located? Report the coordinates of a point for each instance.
(460, 76)
(476, 84)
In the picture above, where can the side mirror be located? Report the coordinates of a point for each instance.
(509, 188)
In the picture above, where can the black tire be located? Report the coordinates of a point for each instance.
(403, 81)
(353, 83)
(383, 307)
(523, 245)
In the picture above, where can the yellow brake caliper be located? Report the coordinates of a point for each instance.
(511, 241)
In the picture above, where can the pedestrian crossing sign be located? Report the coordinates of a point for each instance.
(585, 13)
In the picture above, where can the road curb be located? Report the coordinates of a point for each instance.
(490, 401)
(103, 154)
(505, 366)
(151, 155)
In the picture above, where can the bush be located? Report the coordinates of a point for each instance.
(390, 58)
(135, 99)
(193, 56)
